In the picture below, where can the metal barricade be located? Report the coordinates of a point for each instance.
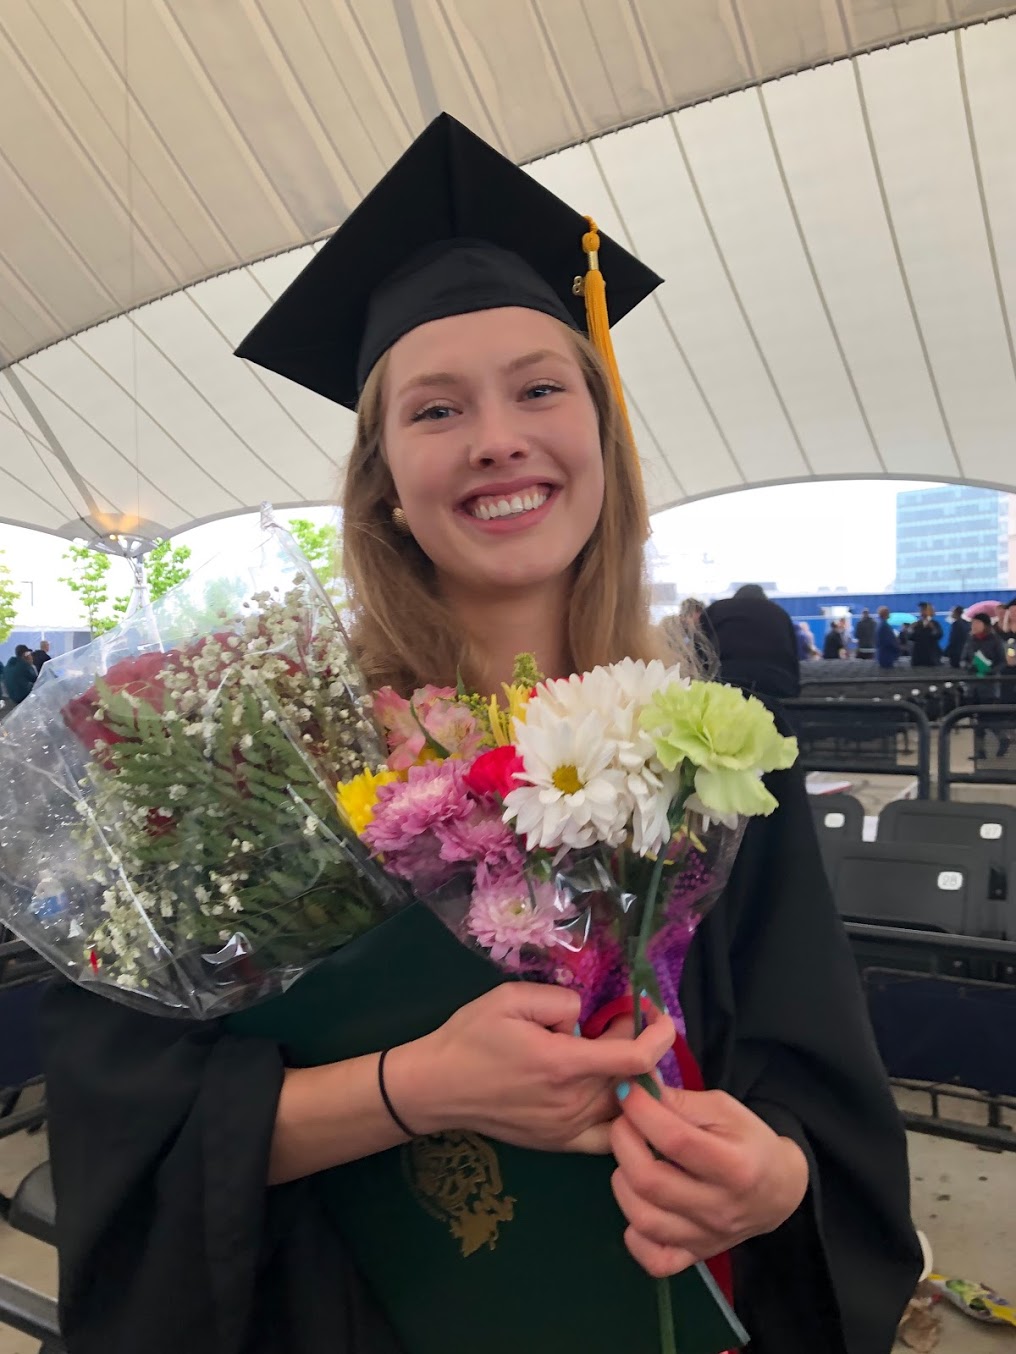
(888, 738)
(994, 746)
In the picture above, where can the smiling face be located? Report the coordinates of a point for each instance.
(493, 443)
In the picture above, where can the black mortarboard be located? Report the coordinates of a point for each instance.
(453, 227)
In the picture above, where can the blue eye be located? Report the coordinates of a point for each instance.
(542, 389)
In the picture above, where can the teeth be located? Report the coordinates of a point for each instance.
(504, 507)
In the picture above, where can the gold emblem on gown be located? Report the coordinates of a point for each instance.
(456, 1177)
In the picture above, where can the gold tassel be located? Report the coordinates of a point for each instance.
(594, 289)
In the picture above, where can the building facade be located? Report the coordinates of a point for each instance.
(952, 537)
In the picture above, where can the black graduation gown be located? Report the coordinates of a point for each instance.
(160, 1130)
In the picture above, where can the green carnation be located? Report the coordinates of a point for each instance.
(731, 740)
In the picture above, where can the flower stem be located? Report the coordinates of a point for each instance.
(664, 1305)
(639, 963)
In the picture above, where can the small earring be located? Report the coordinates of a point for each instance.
(400, 522)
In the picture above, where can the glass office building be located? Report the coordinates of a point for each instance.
(952, 537)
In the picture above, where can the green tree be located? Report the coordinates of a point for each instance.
(87, 579)
(9, 597)
(323, 548)
(165, 567)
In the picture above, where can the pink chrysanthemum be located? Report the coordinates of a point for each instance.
(407, 815)
(482, 840)
(432, 794)
(504, 917)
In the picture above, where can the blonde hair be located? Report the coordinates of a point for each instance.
(405, 633)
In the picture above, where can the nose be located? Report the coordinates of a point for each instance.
(496, 437)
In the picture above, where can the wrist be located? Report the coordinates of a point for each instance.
(411, 1082)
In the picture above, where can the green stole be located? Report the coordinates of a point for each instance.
(472, 1246)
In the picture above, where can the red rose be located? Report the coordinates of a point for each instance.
(493, 773)
(141, 676)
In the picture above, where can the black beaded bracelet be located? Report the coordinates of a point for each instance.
(400, 1123)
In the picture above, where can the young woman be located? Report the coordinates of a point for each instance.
(492, 505)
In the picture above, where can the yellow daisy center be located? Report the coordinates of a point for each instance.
(566, 779)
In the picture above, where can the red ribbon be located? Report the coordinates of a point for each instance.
(691, 1079)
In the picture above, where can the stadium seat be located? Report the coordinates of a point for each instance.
(839, 820)
(988, 829)
(33, 1207)
(932, 888)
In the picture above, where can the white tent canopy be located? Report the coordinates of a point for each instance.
(828, 186)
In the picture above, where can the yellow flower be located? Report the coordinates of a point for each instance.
(356, 798)
(501, 721)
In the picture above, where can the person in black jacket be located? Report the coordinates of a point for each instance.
(42, 655)
(984, 658)
(959, 632)
(866, 633)
(20, 674)
(984, 652)
(925, 638)
(756, 644)
(834, 645)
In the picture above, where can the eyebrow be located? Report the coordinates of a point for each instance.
(445, 378)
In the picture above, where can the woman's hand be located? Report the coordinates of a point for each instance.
(509, 1065)
(727, 1176)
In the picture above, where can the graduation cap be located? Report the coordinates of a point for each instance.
(453, 227)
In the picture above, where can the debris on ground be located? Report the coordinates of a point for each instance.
(921, 1326)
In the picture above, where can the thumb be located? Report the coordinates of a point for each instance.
(555, 1008)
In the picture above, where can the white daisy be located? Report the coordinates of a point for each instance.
(576, 793)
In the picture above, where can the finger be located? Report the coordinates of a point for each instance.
(710, 1110)
(623, 1059)
(714, 1153)
(555, 1008)
(659, 1261)
(593, 1141)
(659, 1182)
(659, 1224)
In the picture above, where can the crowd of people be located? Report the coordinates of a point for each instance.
(983, 644)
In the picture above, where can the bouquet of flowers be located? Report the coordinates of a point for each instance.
(168, 826)
(575, 832)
